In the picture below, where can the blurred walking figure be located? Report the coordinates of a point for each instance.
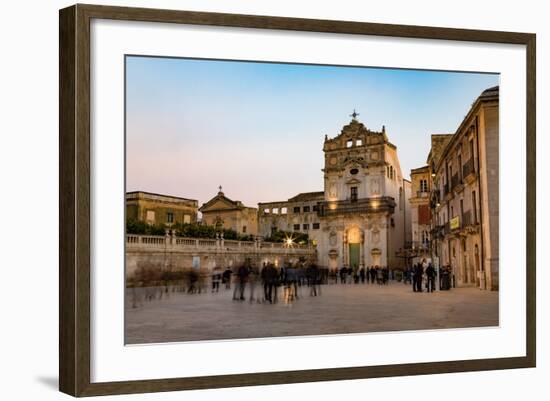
(417, 278)
(372, 272)
(202, 283)
(379, 275)
(343, 273)
(216, 278)
(269, 276)
(226, 278)
(252, 279)
(362, 274)
(408, 276)
(312, 274)
(242, 275)
(290, 285)
(192, 278)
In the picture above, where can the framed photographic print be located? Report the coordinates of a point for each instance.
(250, 200)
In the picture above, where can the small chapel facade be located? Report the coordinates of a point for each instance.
(362, 218)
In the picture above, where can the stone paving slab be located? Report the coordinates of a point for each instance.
(340, 309)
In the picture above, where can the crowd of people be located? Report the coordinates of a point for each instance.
(246, 279)
(263, 285)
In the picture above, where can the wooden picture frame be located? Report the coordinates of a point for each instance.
(74, 204)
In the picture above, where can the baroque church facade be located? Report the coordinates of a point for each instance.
(362, 216)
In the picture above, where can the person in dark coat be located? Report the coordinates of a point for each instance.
(312, 274)
(362, 274)
(269, 277)
(414, 272)
(430, 274)
(242, 273)
(418, 277)
(343, 274)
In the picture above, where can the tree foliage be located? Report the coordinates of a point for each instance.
(282, 236)
(134, 226)
(195, 230)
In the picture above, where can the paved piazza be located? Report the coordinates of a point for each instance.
(348, 308)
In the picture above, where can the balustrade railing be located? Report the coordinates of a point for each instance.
(134, 240)
(422, 194)
(152, 240)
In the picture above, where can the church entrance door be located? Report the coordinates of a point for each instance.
(354, 256)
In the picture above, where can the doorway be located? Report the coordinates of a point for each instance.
(354, 254)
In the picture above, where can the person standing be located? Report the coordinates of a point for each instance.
(424, 267)
(414, 273)
(252, 278)
(419, 276)
(216, 278)
(343, 272)
(226, 278)
(430, 274)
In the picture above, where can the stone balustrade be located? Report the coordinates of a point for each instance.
(170, 252)
(136, 242)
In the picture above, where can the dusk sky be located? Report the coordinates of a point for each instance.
(258, 129)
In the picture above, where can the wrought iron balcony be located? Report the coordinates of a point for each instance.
(417, 245)
(468, 169)
(438, 231)
(455, 181)
(422, 194)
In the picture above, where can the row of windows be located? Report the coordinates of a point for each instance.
(275, 210)
(150, 217)
(315, 226)
(390, 172)
(306, 209)
(296, 209)
(451, 211)
(358, 142)
(458, 162)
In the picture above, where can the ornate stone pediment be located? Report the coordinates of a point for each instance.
(221, 203)
(353, 181)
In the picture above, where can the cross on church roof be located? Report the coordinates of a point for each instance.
(354, 114)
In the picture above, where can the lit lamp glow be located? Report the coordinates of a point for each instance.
(289, 241)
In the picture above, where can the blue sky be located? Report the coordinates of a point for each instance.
(257, 129)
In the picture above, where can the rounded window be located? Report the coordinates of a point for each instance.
(353, 171)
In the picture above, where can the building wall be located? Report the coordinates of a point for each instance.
(229, 214)
(295, 216)
(154, 209)
(467, 209)
(420, 212)
(236, 220)
(489, 173)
